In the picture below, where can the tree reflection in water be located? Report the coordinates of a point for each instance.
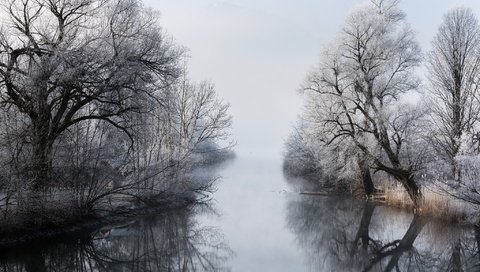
(349, 235)
(170, 241)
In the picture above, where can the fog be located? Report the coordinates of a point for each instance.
(258, 52)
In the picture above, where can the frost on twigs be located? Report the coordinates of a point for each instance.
(96, 109)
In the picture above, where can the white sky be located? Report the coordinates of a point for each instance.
(257, 52)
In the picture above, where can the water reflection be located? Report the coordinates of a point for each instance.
(170, 241)
(339, 234)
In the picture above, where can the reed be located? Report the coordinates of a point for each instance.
(434, 203)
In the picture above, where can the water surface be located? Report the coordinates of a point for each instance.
(257, 221)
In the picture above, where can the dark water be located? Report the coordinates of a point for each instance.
(168, 241)
(257, 222)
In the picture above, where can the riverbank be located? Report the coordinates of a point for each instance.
(20, 234)
(63, 212)
(435, 203)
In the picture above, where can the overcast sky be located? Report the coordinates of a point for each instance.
(257, 52)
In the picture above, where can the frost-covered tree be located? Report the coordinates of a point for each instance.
(453, 71)
(65, 62)
(327, 165)
(97, 112)
(191, 126)
(360, 83)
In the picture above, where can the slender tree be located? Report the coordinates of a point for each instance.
(453, 68)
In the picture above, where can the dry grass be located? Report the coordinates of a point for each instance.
(434, 204)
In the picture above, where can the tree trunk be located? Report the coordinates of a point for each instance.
(406, 178)
(368, 185)
(407, 241)
(456, 173)
(405, 244)
(456, 259)
(477, 237)
(363, 230)
(412, 188)
(35, 262)
(41, 154)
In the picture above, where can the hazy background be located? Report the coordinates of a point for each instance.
(257, 52)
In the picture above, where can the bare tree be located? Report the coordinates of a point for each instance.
(453, 69)
(360, 82)
(192, 124)
(64, 62)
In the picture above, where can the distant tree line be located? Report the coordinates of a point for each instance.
(368, 117)
(96, 108)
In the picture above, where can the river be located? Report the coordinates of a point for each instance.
(257, 221)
